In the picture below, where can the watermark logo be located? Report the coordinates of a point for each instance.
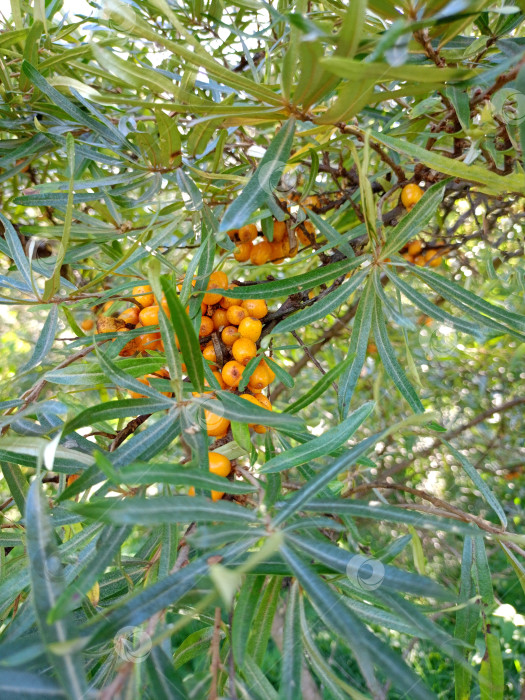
(509, 105)
(272, 177)
(132, 644)
(366, 573)
(440, 342)
(119, 15)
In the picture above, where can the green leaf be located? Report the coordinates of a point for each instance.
(495, 184)
(162, 509)
(392, 366)
(45, 340)
(263, 181)
(316, 484)
(467, 620)
(299, 283)
(249, 596)
(47, 581)
(480, 484)
(122, 379)
(189, 343)
(320, 387)
(16, 250)
(359, 71)
(357, 347)
(292, 656)
(320, 446)
(366, 648)
(112, 410)
(23, 685)
(322, 307)
(460, 102)
(258, 682)
(416, 219)
(165, 683)
(244, 411)
(491, 674)
(263, 619)
(90, 374)
(147, 473)
(331, 234)
(16, 483)
(491, 315)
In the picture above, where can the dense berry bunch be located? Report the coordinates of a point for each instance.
(254, 247)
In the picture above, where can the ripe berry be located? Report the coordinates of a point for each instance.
(263, 363)
(143, 295)
(279, 231)
(217, 495)
(252, 399)
(301, 235)
(163, 374)
(259, 379)
(243, 350)
(232, 233)
(218, 377)
(256, 308)
(219, 464)
(260, 253)
(243, 251)
(235, 314)
(130, 315)
(206, 327)
(216, 426)
(419, 260)
(415, 248)
(264, 401)
(229, 335)
(433, 259)
(220, 319)
(250, 328)
(232, 373)
(149, 316)
(208, 353)
(150, 342)
(87, 324)
(247, 233)
(226, 302)
(410, 195)
(218, 280)
(409, 258)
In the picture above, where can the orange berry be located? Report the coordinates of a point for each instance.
(149, 316)
(263, 363)
(130, 315)
(243, 350)
(419, 260)
(218, 377)
(436, 262)
(235, 314)
(243, 251)
(261, 429)
(131, 348)
(232, 373)
(256, 308)
(259, 379)
(220, 319)
(219, 464)
(250, 328)
(207, 327)
(247, 233)
(136, 395)
(280, 231)
(252, 399)
(107, 306)
(264, 401)
(150, 342)
(87, 324)
(410, 195)
(260, 253)
(217, 495)
(232, 233)
(218, 280)
(209, 353)
(143, 295)
(71, 478)
(371, 349)
(415, 248)
(191, 491)
(229, 335)
(216, 426)
(301, 235)
(226, 302)
(408, 258)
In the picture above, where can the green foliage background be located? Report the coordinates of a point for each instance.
(370, 545)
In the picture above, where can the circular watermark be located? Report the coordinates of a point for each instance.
(132, 644)
(509, 104)
(272, 177)
(53, 571)
(439, 342)
(366, 573)
(119, 15)
(202, 413)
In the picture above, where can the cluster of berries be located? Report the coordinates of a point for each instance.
(417, 253)
(253, 246)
